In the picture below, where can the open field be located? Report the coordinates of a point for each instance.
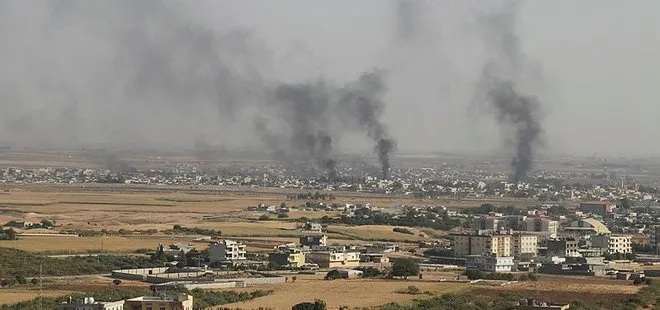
(98, 208)
(351, 293)
(564, 289)
(62, 287)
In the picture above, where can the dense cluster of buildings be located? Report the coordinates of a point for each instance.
(579, 247)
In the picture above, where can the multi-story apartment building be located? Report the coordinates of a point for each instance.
(654, 237)
(226, 251)
(562, 247)
(614, 243)
(495, 244)
(181, 302)
(332, 259)
(519, 223)
(524, 245)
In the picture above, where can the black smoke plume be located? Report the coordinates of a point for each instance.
(304, 112)
(363, 108)
(518, 112)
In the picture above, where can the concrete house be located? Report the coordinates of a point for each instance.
(331, 259)
(314, 241)
(489, 263)
(288, 258)
(226, 251)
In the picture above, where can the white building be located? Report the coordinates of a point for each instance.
(613, 243)
(89, 303)
(226, 250)
(489, 263)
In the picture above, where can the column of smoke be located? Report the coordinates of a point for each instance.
(363, 108)
(514, 110)
(316, 114)
(303, 112)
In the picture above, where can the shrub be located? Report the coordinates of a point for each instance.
(282, 216)
(411, 290)
(316, 305)
(333, 275)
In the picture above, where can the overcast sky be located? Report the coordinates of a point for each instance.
(68, 70)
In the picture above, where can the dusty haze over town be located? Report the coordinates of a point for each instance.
(206, 73)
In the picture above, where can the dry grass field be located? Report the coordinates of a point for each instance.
(62, 287)
(565, 289)
(98, 208)
(14, 295)
(351, 293)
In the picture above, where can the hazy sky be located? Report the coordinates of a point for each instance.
(139, 72)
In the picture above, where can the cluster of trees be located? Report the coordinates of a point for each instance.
(619, 256)
(311, 196)
(315, 305)
(403, 268)
(366, 216)
(475, 274)
(8, 234)
(43, 224)
(178, 229)
(16, 263)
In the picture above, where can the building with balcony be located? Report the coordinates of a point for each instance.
(495, 245)
(226, 251)
(613, 243)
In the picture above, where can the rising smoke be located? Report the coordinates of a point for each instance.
(316, 114)
(155, 73)
(362, 108)
(516, 111)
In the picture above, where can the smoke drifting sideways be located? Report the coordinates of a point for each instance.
(316, 114)
(519, 113)
(124, 72)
